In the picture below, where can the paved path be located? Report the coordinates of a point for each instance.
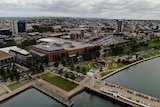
(12, 93)
(127, 66)
(5, 87)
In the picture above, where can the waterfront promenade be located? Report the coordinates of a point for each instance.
(127, 66)
(101, 87)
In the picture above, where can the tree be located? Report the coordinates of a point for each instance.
(72, 77)
(101, 69)
(41, 67)
(75, 59)
(84, 70)
(33, 69)
(56, 64)
(63, 62)
(10, 74)
(66, 75)
(60, 72)
(97, 53)
(3, 74)
(117, 50)
(16, 74)
(72, 67)
(77, 54)
(78, 68)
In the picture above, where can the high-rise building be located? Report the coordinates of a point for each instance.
(21, 27)
(14, 27)
(119, 27)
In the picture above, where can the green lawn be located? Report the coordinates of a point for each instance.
(19, 84)
(127, 49)
(105, 73)
(152, 44)
(113, 64)
(59, 82)
(28, 49)
(151, 54)
(87, 66)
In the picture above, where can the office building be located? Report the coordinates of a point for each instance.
(20, 56)
(119, 26)
(14, 27)
(5, 59)
(21, 27)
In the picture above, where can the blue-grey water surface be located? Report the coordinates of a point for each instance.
(34, 98)
(143, 77)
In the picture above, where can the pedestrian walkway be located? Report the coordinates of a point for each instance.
(5, 87)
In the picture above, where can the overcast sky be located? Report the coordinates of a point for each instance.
(118, 9)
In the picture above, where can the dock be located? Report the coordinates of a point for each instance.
(53, 94)
(124, 95)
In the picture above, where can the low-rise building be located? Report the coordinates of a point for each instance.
(5, 59)
(56, 48)
(20, 56)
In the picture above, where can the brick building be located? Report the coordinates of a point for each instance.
(57, 49)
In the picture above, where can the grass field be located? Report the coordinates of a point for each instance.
(113, 64)
(86, 65)
(105, 73)
(19, 84)
(58, 81)
(151, 54)
(127, 49)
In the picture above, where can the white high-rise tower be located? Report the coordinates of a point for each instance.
(14, 27)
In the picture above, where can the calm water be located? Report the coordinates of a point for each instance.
(34, 98)
(143, 77)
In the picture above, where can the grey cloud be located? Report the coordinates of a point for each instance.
(89, 8)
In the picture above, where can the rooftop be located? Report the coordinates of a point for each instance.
(48, 47)
(4, 55)
(14, 48)
(19, 50)
(57, 43)
(40, 54)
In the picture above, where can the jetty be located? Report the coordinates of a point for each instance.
(123, 95)
(53, 94)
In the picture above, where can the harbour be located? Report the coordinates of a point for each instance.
(123, 95)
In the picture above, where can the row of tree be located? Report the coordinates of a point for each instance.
(9, 73)
(37, 68)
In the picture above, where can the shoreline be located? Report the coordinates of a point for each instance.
(127, 66)
(8, 96)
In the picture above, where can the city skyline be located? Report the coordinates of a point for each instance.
(112, 9)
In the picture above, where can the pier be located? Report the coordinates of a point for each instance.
(124, 95)
(53, 94)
